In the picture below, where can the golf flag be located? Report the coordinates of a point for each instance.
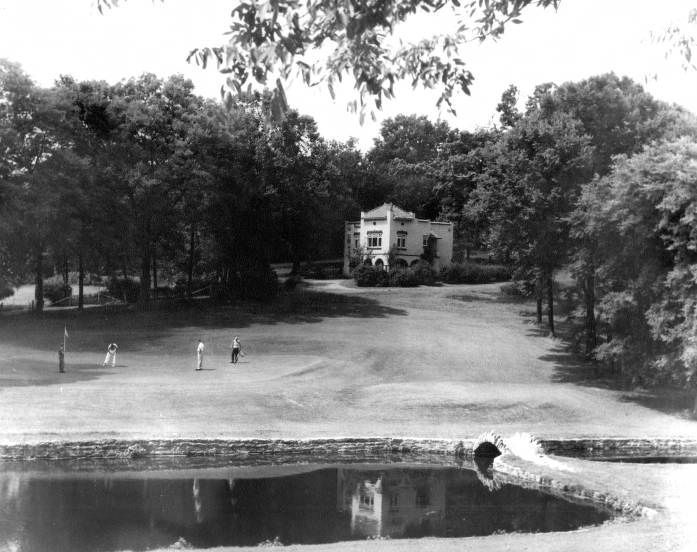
(65, 331)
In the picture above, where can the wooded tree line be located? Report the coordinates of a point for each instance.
(145, 178)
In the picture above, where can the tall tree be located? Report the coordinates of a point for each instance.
(402, 157)
(87, 130)
(643, 220)
(619, 117)
(529, 191)
(150, 115)
(30, 122)
(507, 107)
(296, 184)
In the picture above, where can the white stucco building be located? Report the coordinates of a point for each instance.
(387, 227)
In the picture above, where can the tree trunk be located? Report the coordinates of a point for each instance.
(154, 270)
(590, 321)
(80, 283)
(144, 296)
(39, 287)
(190, 275)
(66, 274)
(550, 304)
(538, 299)
(694, 410)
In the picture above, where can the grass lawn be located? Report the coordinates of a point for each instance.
(450, 361)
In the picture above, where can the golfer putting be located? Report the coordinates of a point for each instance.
(111, 355)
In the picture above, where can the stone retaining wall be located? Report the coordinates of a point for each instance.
(585, 448)
(348, 448)
(115, 449)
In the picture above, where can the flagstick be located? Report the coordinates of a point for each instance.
(65, 330)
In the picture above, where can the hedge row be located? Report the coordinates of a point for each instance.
(422, 274)
(475, 273)
(371, 276)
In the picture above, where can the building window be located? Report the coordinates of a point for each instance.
(356, 239)
(374, 239)
(422, 497)
(401, 240)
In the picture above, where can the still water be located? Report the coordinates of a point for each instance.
(303, 504)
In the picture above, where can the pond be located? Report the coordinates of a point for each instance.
(75, 510)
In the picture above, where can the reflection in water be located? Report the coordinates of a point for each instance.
(75, 513)
(396, 503)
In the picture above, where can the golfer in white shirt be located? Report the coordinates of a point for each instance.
(199, 355)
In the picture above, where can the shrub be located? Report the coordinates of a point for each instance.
(424, 273)
(513, 290)
(291, 282)
(6, 290)
(475, 273)
(164, 292)
(312, 271)
(382, 278)
(181, 285)
(403, 278)
(90, 279)
(321, 271)
(356, 258)
(124, 289)
(258, 282)
(55, 289)
(366, 276)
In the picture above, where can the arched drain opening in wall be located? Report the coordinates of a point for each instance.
(486, 450)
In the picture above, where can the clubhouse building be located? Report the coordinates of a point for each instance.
(388, 228)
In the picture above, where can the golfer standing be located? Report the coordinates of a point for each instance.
(236, 348)
(199, 355)
(111, 355)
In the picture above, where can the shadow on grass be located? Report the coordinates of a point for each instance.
(93, 329)
(571, 367)
(23, 372)
(488, 294)
(669, 401)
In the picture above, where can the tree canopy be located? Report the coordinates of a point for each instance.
(324, 42)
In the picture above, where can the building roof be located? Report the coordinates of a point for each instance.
(382, 211)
